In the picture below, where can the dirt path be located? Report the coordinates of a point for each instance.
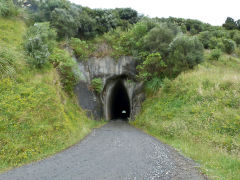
(115, 151)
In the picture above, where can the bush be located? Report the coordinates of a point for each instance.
(132, 42)
(185, 53)
(159, 38)
(153, 66)
(236, 38)
(219, 33)
(153, 85)
(7, 60)
(216, 43)
(67, 68)
(97, 85)
(194, 26)
(39, 43)
(205, 37)
(64, 22)
(81, 48)
(59, 57)
(69, 79)
(215, 54)
(229, 46)
(7, 8)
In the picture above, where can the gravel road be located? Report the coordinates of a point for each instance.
(114, 151)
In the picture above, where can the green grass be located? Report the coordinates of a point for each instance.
(37, 118)
(11, 32)
(198, 113)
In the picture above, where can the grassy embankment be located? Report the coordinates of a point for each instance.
(198, 113)
(37, 118)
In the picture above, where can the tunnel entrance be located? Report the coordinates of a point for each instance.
(119, 102)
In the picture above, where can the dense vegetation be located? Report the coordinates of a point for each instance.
(37, 117)
(198, 114)
(190, 70)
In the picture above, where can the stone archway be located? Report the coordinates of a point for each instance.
(122, 94)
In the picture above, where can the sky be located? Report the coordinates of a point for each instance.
(213, 12)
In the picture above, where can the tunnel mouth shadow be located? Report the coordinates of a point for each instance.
(119, 107)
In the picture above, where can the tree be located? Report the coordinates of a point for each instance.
(64, 22)
(185, 53)
(128, 14)
(105, 20)
(230, 24)
(238, 24)
(87, 26)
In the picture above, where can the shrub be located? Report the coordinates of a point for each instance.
(81, 48)
(59, 57)
(67, 68)
(237, 51)
(205, 37)
(236, 38)
(64, 22)
(7, 8)
(194, 26)
(185, 53)
(159, 38)
(153, 66)
(87, 28)
(97, 85)
(132, 42)
(229, 46)
(39, 43)
(216, 43)
(7, 60)
(153, 85)
(69, 78)
(215, 54)
(219, 33)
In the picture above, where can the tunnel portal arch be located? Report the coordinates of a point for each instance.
(117, 101)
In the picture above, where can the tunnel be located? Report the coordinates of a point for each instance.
(119, 107)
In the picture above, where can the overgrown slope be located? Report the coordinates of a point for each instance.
(37, 118)
(198, 113)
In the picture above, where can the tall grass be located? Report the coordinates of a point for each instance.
(199, 114)
(7, 58)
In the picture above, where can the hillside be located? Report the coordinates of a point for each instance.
(37, 117)
(198, 114)
(189, 71)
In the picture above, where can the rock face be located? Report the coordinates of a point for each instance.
(112, 72)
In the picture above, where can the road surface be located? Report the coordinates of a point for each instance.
(114, 151)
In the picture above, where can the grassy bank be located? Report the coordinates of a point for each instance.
(198, 113)
(37, 118)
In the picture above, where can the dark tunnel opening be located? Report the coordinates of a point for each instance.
(119, 102)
